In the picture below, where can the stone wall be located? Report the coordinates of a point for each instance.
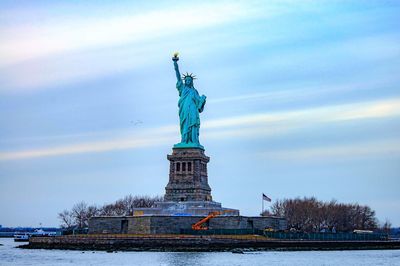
(195, 243)
(139, 225)
(174, 224)
(106, 225)
(171, 224)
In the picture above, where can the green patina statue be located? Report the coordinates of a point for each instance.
(190, 105)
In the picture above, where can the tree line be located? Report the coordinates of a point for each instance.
(311, 215)
(79, 215)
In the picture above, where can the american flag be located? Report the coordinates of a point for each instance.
(265, 197)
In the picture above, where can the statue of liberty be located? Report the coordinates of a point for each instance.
(190, 105)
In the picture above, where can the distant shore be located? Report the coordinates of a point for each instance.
(196, 243)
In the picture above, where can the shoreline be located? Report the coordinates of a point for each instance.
(191, 243)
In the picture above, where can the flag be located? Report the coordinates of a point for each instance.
(265, 197)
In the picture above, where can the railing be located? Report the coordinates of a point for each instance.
(326, 236)
(223, 232)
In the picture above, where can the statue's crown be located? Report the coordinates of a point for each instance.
(188, 75)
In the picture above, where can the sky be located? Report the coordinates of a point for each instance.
(303, 99)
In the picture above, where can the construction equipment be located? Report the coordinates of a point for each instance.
(200, 224)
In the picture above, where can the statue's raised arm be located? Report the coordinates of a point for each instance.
(178, 74)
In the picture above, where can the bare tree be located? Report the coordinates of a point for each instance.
(81, 212)
(312, 215)
(126, 205)
(67, 220)
(91, 211)
(113, 209)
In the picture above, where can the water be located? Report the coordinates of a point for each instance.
(9, 255)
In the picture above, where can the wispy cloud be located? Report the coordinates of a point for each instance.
(71, 50)
(91, 147)
(363, 110)
(284, 92)
(246, 126)
(23, 42)
(87, 65)
(81, 48)
(350, 150)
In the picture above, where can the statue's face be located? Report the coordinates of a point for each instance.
(189, 81)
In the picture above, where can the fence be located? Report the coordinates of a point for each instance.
(326, 236)
(222, 232)
(290, 236)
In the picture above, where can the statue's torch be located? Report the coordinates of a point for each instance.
(175, 57)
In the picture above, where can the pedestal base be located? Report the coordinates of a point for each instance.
(188, 146)
(187, 208)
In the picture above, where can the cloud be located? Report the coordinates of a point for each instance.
(364, 110)
(78, 48)
(290, 91)
(352, 150)
(27, 41)
(86, 65)
(382, 109)
(89, 147)
(82, 48)
(246, 126)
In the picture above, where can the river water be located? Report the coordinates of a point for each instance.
(9, 255)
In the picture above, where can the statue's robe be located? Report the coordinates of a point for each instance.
(190, 105)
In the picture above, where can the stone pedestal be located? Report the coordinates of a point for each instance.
(188, 180)
(187, 192)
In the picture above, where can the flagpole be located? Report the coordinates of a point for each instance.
(262, 199)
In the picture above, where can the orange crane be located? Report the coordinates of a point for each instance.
(200, 224)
